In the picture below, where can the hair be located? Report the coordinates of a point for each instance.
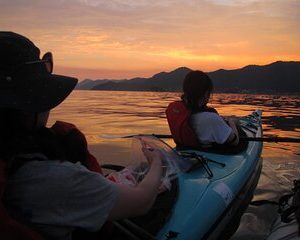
(196, 85)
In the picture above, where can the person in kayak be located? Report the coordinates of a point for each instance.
(193, 123)
(209, 126)
(48, 179)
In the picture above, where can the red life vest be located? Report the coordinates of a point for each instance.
(178, 116)
(76, 143)
(72, 137)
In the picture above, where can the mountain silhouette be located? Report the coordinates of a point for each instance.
(277, 77)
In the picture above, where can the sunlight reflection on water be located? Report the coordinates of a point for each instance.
(127, 113)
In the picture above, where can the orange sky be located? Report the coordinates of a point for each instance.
(100, 39)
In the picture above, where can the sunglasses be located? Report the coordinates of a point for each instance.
(47, 59)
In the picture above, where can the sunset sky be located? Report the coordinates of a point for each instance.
(129, 38)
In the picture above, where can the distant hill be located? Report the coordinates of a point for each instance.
(277, 77)
(164, 81)
(88, 84)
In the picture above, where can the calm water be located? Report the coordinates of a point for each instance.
(104, 115)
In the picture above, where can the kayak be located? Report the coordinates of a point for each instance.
(207, 206)
(213, 189)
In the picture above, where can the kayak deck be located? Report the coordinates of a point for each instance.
(203, 200)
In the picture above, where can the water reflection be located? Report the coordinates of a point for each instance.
(122, 113)
(128, 113)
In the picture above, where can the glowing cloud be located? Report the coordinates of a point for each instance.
(140, 38)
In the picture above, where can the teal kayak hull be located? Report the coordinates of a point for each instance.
(209, 207)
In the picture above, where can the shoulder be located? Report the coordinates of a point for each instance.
(209, 116)
(52, 171)
(82, 197)
(53, 165)
(209, 121)
(62, 177)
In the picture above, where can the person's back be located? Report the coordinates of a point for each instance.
(210, 128)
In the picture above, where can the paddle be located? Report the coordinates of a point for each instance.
(271, 139)
(247, 139)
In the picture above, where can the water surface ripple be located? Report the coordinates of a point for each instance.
(126, 113)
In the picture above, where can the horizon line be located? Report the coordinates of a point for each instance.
(77, 71)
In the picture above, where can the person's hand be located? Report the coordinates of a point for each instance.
(234, 121)
(162, 188)
(151, 153)
(231, 119)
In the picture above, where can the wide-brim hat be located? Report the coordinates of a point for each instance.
(25, 82)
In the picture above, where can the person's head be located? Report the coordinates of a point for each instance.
(28, 89)
(197, 87)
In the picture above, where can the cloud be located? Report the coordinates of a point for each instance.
(150, 34)
(130, 4)
(233, 2)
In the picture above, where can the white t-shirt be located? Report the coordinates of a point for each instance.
(210, 127)
(56, 197)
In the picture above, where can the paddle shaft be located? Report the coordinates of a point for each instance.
(250, 139)
(271, 139)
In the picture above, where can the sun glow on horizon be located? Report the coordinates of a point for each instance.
(123, 39)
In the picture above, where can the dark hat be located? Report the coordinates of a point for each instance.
(25, 82)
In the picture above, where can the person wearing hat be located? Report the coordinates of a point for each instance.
(48, 179)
